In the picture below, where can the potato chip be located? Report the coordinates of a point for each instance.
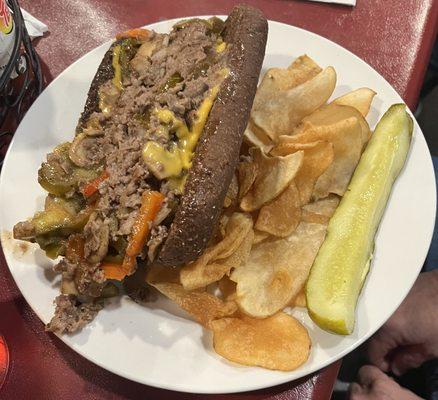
(360, 99)
(220, 258)
(279, 112)
(201, 276)
(320, 211)
(281, 216)
(260, 236)
(280, 79)
(202, 306)
(346, 137)
(333, 113)
(227, 288)
(279, 342)
(223, 221)
(300, 299)
(247, 174)
(232, 192)
(274, 175)
(304, 68)
(318, 156)
(256, 137)
(224, 265)
(277, 270)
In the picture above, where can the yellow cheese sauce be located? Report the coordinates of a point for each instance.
(117, 79)
(173, 162)
(107, 97)
(220, 47)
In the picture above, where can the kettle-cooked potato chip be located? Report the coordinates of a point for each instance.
(333, 113)
(247, 174)
(276, 79)
(260, 236)
(203, 275)
(299, 300)
(273, 176)
(304, 68)
(320, 211)
(281, 216)
(346, 137)
(217, 260)
(276, 270)
(232, 193)
(281, 111)
(318, 156)
(256, 137)
(360, 99)
(279, 342)
(280, 79)
(202, 306)
(227, 288)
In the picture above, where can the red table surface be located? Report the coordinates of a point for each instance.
(393, 36)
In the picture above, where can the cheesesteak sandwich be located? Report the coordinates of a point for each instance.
(155, 149)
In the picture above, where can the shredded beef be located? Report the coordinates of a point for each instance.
(24, 230)
(66, 267)
(89, 279)
(71, 316)
(96, 234)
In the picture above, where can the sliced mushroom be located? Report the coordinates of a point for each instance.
(93, 128)
(139, 62)
(81, 151)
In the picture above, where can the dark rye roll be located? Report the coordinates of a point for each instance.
(154, 152)
(217, 152)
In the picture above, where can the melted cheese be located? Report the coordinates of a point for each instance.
(162, 162)
(117, 79)
(178, 183)
(173, 162)
(107, 95)
(220, 47)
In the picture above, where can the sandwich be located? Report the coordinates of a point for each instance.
(144, 180)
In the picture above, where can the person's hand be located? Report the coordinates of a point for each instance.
(374, 384)
(410, 336)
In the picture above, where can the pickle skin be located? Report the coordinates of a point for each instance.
(343, 261)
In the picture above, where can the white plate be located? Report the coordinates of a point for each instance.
(159, 345)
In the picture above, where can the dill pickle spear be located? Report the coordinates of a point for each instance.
(343, 261)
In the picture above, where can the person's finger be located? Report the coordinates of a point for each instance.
(355, 392)
(408, 357)
(368, 374)
(378, 349)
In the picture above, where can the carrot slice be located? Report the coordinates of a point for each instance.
(93, 186)
(151, 203)
(138, 33)
(113, 271)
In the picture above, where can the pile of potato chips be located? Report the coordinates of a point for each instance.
(299, 156)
